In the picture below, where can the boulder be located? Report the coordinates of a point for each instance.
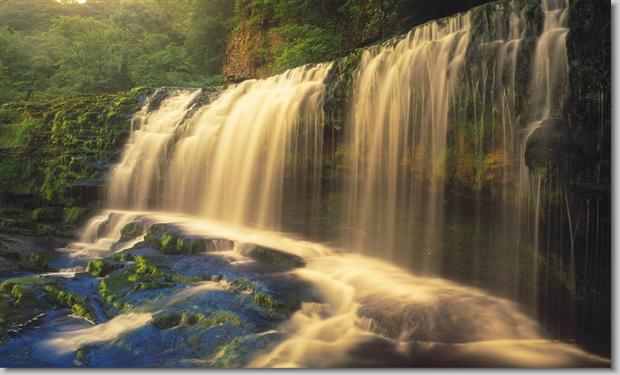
(131, 231)
(276, 257)
(547, 144)
(171, 240)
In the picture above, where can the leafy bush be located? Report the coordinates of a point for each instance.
(304, 44)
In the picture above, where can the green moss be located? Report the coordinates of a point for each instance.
(218, 318)
(131, 231)
(276, 257)
(46, 214)
(167, 320)
(64, 298)
(72, 215)
(123, 257)
(100, 267)
(83, 355)
(143, 275)
(33, 262)
(20, 303)
(259, 298)
(263, 300)
(170, 241)
(114, 287)
(58, 144)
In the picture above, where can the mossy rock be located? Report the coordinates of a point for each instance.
(131, 231)
(276, 257)
(143, 275)
(33, 262)
(217, 318)
(170, 240)
(20, 305)
(64, 298)
(47, 214)
(101, 267)
(71, 215)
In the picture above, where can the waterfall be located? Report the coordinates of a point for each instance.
(547, 91)
(416, 104)
(227, 160)
(435, 180)
(233, 158)
(133, 181)
(398, 135)
(447, 110)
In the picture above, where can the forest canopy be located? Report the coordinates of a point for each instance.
(52, 48)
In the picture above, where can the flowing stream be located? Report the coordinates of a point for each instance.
(231, 167)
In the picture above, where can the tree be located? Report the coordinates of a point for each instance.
(92, 54)
(210, 24)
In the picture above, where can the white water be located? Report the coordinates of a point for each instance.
(547, 91)
(364, 299)
(229, 161)
(400, 120)
(66, 342)
(135, 180)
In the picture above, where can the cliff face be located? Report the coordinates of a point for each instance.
(270, 37)
(248, 54)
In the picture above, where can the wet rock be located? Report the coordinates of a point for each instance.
(101, 268)
(547, 145)
(170, 240)
(132, 231)
(276, 257)
(47, 214)
(20, 305)
(7, 265)
(33, 262)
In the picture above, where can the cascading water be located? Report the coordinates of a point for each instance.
(232, 161)
(240, 149)
(436, 107)
(449, 106)
(134, 181)
(398, 135)
(547, 91)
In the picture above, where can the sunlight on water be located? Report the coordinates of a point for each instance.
(121, 324)
(226, 162)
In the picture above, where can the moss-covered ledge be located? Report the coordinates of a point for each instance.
(55, 153)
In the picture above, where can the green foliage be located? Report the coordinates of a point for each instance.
(51, 48)
(210, 23)
(18, 135)
(59, 143)
(305, 44)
